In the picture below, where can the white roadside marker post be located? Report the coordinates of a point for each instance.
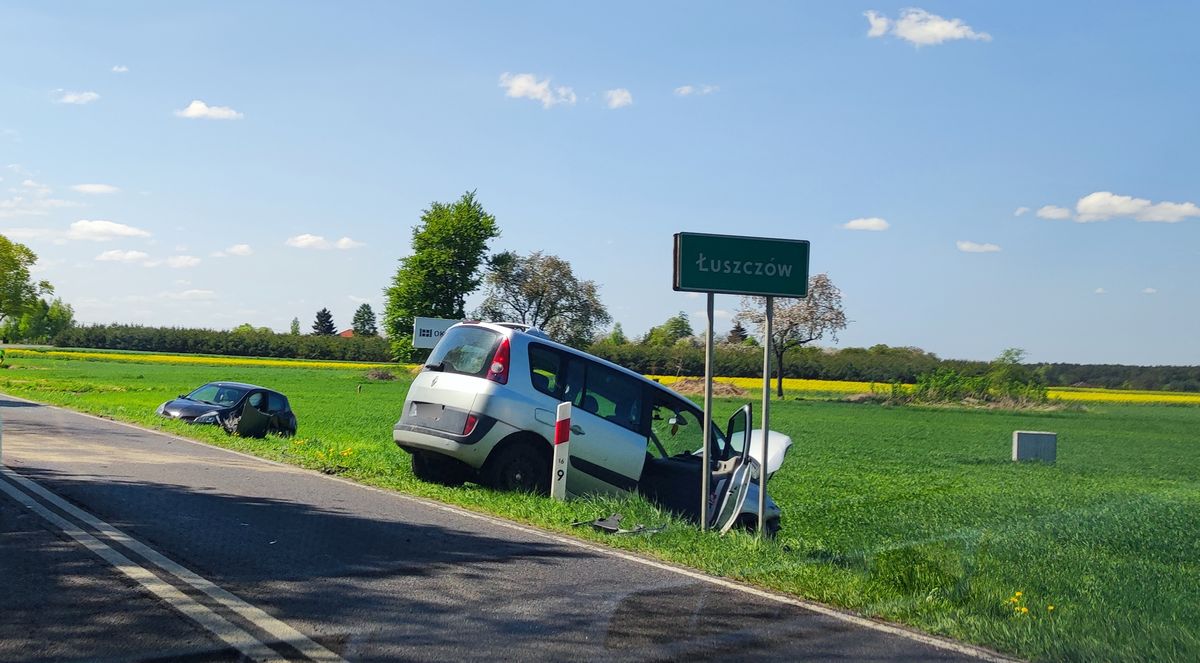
(562, 452)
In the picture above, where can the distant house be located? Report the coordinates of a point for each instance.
(346, 333)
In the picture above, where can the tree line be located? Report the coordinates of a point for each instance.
(240, 342)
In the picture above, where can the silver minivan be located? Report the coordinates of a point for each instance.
(483, 409)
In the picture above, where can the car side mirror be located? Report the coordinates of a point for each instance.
(182, 396)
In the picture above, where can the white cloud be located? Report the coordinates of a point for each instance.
(879, 24)
(1100, 291)
(240, 250)
(618, 98)
(117, 255)
(39, 205)
(527, 86)
(193, 295)
(102, 231)
(358, 300)
(1169, 212)
(920, 28)
(688, 90)
(77, 98)
(1149, 291)
(22, 234)
(1021, 211)
(120, 69)
(1104, 205)
(181, 262)
(95, 188)
(198, 110)
(307, 241)
(1053, 212)
(869, 223)
(974, 247)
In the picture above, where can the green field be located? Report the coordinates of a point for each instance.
(908, 514)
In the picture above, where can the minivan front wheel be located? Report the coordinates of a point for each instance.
(518, 467)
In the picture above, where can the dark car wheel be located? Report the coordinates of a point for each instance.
(518, 467)
(435, 468)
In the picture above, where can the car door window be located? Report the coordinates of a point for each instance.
(676, 427)
(276, 403)
(257, 400)
(545, 369)
(611, 395)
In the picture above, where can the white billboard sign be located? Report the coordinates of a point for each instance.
(428, 331)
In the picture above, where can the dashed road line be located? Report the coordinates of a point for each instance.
(233, 635)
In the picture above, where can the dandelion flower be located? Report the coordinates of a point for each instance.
(1049, 608)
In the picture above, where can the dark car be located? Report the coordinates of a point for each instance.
(247, 409)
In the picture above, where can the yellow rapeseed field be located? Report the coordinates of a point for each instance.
(789, 384)
(1122, 396)
(139, 358)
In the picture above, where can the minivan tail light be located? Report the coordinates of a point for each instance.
(498, 372)
(469, 424)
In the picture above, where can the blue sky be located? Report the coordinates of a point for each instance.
(1032, 165)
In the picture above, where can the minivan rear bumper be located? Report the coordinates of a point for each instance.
(466, 448)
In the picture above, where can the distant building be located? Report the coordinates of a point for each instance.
(346, 333)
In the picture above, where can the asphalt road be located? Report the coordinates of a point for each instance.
(118, 543)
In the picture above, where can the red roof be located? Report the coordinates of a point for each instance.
(346, 333)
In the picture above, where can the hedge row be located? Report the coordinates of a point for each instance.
(876, 364)
(237, 344)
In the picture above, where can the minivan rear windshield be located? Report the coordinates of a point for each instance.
(466, 350)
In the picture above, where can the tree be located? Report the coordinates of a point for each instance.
(294, 330)
(17, 291)
(323, 326)
(542, 290)
(669, 333)
(797, 321)
(364, 321)
(616, 336)
(448, 250)
(41, 322)
(738, 334)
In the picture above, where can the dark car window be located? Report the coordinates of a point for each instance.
(545, 369)
(612, 395)
(256, 400)
(466, 350)
(276, 403)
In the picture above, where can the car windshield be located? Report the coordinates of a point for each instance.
(217, 394)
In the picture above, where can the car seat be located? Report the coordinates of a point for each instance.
(590, 404)
(540, 382)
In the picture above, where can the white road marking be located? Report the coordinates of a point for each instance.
(227, 631)
(232, 635)
(812, 606)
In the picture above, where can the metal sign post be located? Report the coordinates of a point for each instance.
(562, 452)
(766, 417)
(706, 462)
(737, 265)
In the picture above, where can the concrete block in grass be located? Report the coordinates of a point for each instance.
(1034, 445)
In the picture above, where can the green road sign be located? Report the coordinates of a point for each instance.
(741, 265)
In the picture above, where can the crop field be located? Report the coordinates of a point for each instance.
(908, 514)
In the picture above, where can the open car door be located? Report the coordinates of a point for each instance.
(252, 423)
(732, 474)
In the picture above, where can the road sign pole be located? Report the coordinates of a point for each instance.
(766, 417)
(706, 467)
(562, 452)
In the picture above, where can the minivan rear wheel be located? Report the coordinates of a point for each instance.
(435, 468)
(518, 467)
